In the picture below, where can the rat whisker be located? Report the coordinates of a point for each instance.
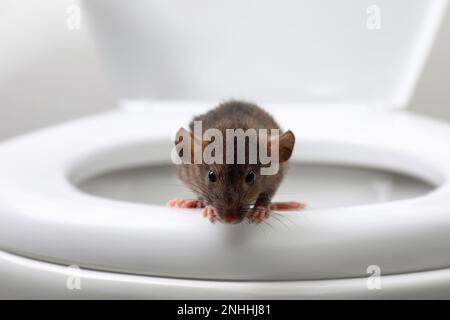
(262, 229)
(279, 217)
(285, 217)
(266, 222)
(280, 221)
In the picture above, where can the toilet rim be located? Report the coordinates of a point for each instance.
(39, 205)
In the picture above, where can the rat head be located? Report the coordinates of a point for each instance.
(232, 189)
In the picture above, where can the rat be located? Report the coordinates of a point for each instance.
(231, 193)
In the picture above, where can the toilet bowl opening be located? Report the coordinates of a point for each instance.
(136, 173)
(320, 185)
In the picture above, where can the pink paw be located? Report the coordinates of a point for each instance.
(287, 206)
(259, 214)
(185, 203)
(210, 213)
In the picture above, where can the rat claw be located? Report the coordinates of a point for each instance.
(210, 213)
(185, 203)
(173, 203)
(292, 205)
(259, 214)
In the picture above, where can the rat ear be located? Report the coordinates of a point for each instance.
(186, 140)
(286, 144)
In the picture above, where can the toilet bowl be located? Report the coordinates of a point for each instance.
(82, 211)
(50, 222)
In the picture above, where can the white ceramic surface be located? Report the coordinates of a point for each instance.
(304, 51)
(46, 217)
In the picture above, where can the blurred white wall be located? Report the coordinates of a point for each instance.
(50, 74)
(432, 95)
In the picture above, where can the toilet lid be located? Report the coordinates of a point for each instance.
(340, 52)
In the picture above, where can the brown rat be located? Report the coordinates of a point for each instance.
(233, 192)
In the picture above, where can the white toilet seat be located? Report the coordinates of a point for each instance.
(43, 216)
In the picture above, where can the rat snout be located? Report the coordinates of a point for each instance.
(230, 216)
(232, 219)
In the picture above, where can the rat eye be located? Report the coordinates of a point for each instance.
(212, 176)
(250, 178)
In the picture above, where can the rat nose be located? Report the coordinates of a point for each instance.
(231, 219)
(230, 214)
